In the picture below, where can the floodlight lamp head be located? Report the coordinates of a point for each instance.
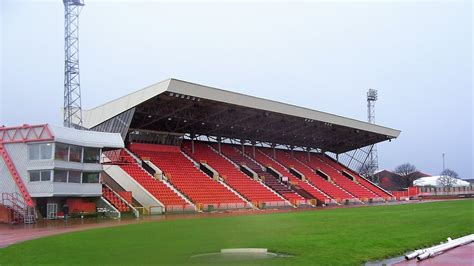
(74, 2)
(372, 95)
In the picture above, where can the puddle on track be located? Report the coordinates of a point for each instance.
(237, 256)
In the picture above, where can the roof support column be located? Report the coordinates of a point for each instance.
(309, 154)
(274, 151)
(243, 146)
(253, 148)
(292, 154)
(192, 143)
(219, 144)
(337, 157)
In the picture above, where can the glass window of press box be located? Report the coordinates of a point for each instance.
(74, 177)
(36, 176)
(65, 176)
(40, 151)
(60, 176)
(75, 154)
(72, 153)
(90, 177)
(61, 152)
(91, 155)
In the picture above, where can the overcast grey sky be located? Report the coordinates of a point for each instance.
(321, 55)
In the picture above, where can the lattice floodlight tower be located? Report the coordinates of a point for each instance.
(363, 160)
(372, 96)
(72, 89)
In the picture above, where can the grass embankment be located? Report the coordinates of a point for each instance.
(338, 236)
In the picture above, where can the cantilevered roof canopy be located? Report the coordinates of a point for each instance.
(183, 107)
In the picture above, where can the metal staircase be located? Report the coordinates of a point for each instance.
(22, 213)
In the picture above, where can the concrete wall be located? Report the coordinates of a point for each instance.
(139, 193)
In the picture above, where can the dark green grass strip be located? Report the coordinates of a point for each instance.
(329, 237)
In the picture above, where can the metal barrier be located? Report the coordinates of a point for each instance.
(276, 204)
(221, 206)
(180, 208)
(433, 191)
(446, 191)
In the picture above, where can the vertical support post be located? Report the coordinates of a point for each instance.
(443, 161)
(192, 143)
(274, 151)
(253, 148)
(309, 154)
(243, 146)
(219, 144)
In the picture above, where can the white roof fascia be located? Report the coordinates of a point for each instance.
(104, 112)
(86, 138)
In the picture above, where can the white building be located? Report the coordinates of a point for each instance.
(434, 181)
(43, 166)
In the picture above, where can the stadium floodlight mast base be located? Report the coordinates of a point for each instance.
(72, 90)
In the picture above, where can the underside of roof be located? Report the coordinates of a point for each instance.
(181, 107)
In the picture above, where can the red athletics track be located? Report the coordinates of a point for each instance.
(460, 256)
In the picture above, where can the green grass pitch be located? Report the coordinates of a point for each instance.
(347, 236)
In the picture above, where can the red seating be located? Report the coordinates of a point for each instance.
(264, 160)
(111, 197)
(126, 195)
(231, 152)
(156, 187)
(352, 187)
(184, 176)
(247, 187)
(319, 182)
(376, 190)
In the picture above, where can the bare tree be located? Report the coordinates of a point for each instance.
(367, 170)
(448, 178)
(449, 172)
(406, 171)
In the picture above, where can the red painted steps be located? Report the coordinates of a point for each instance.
(238, 158)
(378, 191)
(265, 160)
(348, 185)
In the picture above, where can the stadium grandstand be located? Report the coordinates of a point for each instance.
(190, 146)
(177, 146)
